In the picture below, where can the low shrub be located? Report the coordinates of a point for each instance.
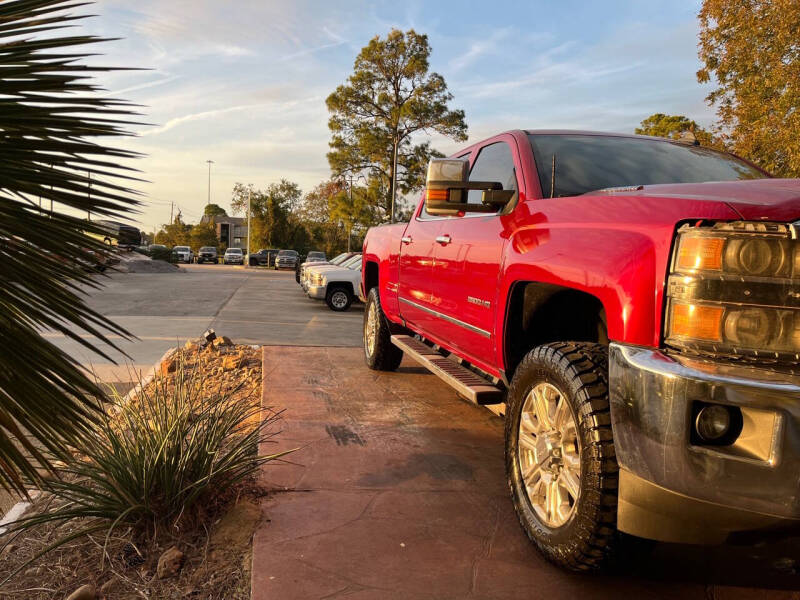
(154, 458)
(164, 254)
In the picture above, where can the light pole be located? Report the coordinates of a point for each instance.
(249, 195)
(209, 181)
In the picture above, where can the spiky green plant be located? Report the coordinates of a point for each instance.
(151, 459)
(53, 127)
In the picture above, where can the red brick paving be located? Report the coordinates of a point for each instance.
(398, 492)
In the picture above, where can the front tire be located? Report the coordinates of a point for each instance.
(560, 461)
(339, 299)
(379, 352)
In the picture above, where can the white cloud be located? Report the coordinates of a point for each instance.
(491, 45)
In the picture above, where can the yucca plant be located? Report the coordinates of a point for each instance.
(55, 168)
(152, 458)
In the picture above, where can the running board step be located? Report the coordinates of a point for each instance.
(469, 385)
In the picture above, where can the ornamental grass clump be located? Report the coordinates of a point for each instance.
(154, 460)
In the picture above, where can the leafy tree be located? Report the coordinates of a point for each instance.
(54, 125)
(203, 234)
(750, 49)
(353, 209)
(176, 233)
(270, 225)
(673, 126)
(389, 97)
(325, 233)
(214, 210)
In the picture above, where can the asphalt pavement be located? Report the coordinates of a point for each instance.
(249, 305)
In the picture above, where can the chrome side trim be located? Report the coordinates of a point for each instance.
(448, 318)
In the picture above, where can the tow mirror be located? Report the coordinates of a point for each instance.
(447, 184)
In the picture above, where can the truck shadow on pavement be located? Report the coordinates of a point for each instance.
(769, 563)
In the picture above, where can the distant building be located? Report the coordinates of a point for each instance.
(231, 231)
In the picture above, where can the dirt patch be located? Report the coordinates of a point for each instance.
(215, 544)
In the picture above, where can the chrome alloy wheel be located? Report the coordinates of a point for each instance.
(549, 455)
(339, 299)
(371, 329)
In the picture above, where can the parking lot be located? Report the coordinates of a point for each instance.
(251, 306)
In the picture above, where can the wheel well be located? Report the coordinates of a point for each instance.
(370, 277)
(540, 313)
(346, 285)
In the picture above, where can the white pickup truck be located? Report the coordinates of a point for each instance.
(338, 286)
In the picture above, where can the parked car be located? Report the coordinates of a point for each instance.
(630, 304)
(313, 257)
(262, 258)
(184, 254)
(233, 256)
(311, 270)
(207, 254)
(286, 259)
(337, 285)
(334, 261)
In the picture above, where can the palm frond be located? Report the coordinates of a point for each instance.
(52, 123)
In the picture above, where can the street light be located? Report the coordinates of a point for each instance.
(249, 196)
(209, 180)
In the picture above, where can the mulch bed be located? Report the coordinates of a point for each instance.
(216, 541)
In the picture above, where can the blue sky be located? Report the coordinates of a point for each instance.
(243, 82)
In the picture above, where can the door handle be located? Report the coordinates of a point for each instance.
(406, 239)
(444, 239)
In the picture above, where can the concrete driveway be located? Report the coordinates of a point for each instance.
(252, 306)
(398, 491)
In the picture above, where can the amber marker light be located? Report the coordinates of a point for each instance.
(701, 253)
(437, 195)
(696, 321)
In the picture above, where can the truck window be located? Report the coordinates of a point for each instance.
(587, 163)
(494, 163)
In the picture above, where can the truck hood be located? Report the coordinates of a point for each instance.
(754, 199)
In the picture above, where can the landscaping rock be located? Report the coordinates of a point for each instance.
(191, 346)
(234, 361)
(85, 592)
(169, 365)
(169, 563)
(222, 341)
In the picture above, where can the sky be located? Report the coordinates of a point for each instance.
(244, 82)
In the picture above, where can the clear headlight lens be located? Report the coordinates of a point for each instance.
(734, 289)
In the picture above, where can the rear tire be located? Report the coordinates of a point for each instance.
(379, 352)
(563, 479)
(338, 299)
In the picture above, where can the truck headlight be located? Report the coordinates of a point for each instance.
(734, 289)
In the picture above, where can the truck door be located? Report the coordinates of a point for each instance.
(467, 258)
(416, 270)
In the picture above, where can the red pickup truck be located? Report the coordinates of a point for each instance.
(632, 306)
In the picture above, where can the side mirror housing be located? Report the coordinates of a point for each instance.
(448, 182)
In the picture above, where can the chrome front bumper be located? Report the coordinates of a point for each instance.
(671, 489)
(316, 291)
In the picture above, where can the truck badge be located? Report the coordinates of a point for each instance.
(479, 302)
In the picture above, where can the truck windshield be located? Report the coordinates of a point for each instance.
(586, 163)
